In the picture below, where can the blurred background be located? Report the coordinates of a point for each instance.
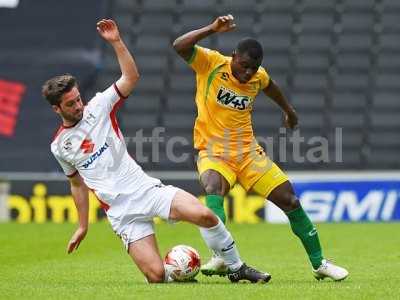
(337, 61)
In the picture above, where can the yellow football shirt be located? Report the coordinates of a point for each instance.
(223, 124)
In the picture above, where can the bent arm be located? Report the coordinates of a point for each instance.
(108, 30)
(130, 73)
(184, 45)
(275, 93)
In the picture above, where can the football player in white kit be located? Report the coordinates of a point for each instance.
(91, 151)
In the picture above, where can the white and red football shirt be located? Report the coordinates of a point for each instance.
(96, 149)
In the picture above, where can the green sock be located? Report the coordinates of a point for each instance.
(216, 204)
(306, 231)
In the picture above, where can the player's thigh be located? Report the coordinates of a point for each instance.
(186, 207)
(216, 177)
(146, 256)
(261, 175)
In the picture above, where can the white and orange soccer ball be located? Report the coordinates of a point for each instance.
(183, 262)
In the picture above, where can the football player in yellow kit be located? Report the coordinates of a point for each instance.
(223, 135)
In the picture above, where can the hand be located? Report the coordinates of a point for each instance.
(76, 239)
(291, 120)
(108, 30)
(223, 24)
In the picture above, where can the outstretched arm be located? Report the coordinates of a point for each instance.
(274, 92)
(184, 45)
(80, 194)
(108, 30)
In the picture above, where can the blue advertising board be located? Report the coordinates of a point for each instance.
(345, 201)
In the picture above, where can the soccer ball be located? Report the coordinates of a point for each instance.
(183, 262)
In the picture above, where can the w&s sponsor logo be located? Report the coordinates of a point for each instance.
(229, 98)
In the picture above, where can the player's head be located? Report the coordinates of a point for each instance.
(246, 59)
(63, 95)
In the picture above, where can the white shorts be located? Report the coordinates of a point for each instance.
(131, 215)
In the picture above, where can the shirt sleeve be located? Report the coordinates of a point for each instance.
(264, 77)
(108, 99)
(68, 169)
(203, 59)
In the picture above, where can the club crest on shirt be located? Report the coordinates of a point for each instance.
(225, 76)
(90, 119)
(229, 98)
(67, 145)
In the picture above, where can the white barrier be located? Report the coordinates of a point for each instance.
(4, 190)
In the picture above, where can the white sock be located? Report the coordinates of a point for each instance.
(167, 273)
(221, 242)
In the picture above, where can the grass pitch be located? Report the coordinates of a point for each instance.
(34, 263)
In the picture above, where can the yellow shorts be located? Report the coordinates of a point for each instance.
(254, 170)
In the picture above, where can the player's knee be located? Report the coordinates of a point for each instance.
(155, 274)
(213, 188)
(289, 202)
(207, 218)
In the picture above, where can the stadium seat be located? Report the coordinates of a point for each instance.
(235, 6)
(278, 5)
(308, 101)
(312, 61)
(347, 100)
(358, 5)
(390, 42)
(159, 6)
(273, 42)
(386, 101)
(206, 6)
(181, 102)
(309, 81)
(184, 82)
(354, 81)
(316, 5)
(355, 42)
(192, 20)
(356, 22)
(275, 22)
(353, 62)
(276, 62)
(151, 22)
(138, 102)
(348, 119)
(390, 22)
(388, 81)
(134, 121)
(317, 22)
(175, 120)
(388, 120)
(155, 43)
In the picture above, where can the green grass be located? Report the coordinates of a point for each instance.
(34, 264)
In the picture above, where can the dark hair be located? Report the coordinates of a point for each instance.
(54, 88)
(251, 47)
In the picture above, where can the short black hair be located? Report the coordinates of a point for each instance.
(251, 47)
(54, 88)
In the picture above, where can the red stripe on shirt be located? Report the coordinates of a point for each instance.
(113, 117)
(72, 175)
(103, 205)
(118, 91)
(61, 128)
